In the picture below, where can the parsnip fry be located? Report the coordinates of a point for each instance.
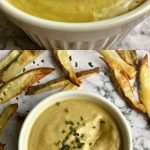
(2, 146)
(60, 82)
(17, 66)
(4, 64)
(145, 84)
(113, 56)
(22, 82)
(128, 56)
(63, 62)
(123, 85)
(71, 86)
(82, 76)
(6, 115)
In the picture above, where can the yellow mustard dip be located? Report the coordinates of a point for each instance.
(75, 124)
(76, 10)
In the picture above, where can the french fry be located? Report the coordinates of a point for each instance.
(17, 66)
(144, 78)
(83, 76)
(59, 82)
(63, 62)
(6, 115)
(4, 64)
(129, 56)
(71, 86)
(123, 85)
(51, 85)
(22, 82)
(113, 56)
(2, 146)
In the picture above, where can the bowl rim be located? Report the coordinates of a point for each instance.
(74, 27)
(50, 100)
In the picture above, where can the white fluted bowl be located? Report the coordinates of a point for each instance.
(62, 35)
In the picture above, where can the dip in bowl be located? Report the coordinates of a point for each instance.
(75, 120)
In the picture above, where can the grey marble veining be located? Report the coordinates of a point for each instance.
(101, 84)
(11, 37)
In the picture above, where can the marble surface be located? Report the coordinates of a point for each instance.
(11, 37)
(100, 84)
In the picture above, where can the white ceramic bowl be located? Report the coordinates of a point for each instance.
(42, 106)
(59, 35)
(93, 35)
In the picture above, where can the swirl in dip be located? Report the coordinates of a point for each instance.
(75, 125)
(76, 10)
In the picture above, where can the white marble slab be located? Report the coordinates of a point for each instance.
(11, 37)
(100, 84)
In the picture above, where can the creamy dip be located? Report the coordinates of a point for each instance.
(75, 124)
(76, 10)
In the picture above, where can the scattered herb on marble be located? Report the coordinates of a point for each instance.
(76, 64)
(90, 64)
(42, 60)
(70, 57)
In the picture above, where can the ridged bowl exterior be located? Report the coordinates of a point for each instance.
(54, 35)
(103, 39)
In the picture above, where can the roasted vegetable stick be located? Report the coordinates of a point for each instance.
(22, 82)
(16, 67)
(6, 115)
(60, 82)
(70, 86)
(63, 62)
(4, 64)
(128, 56)
(113, 56)
(123, 85)
(2, 146)
(145, 84)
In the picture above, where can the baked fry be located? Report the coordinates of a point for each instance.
(59, 82)
(63, 62)
(6, 115)
(22, 82)
(4, 64)
(123, 85)
(113, 56)
(17, 66)
(129, 56)
(70, 86)
(144, 78)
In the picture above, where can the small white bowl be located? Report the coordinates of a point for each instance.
(107, 105)
(63, 35)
